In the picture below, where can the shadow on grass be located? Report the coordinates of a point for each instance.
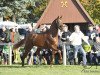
(17, 66)
(25, 66)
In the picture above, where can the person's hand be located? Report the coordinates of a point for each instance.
(67, 37)
(92, 35)
(89, 44)
(63, 39)
(2, 39)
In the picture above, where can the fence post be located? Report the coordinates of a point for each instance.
(64, 54)
(10, 54)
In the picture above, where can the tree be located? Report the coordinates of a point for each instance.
(39, 9)
(93, 8)
(17, 9)
(23, 11)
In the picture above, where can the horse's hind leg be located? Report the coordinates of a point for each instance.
(37, 53)
(27, 48)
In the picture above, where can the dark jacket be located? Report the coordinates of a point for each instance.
(96, 47)
(65, 36)
(92, 33)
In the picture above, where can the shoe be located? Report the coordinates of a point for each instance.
(76, 61)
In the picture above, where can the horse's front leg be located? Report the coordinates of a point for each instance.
(60, 56)
(23, 56)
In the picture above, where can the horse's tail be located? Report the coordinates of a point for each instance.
(20, 43)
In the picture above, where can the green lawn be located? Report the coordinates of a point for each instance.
(47, 70)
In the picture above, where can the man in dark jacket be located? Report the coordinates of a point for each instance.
(65, 38)
(66, 34)
(92, 33)
(96, 51)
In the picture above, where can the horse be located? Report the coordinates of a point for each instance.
(44, 40)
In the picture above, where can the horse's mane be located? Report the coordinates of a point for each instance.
(47, 31)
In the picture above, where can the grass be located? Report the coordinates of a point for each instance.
(47, 70)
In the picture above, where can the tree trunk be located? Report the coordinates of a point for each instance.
(14, 18)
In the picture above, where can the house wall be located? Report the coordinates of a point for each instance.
(83, 26)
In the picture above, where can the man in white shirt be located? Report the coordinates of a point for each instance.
(76, 40)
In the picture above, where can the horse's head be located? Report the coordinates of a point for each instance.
(59, 23)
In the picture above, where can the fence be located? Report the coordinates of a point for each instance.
(10, 52)
(64, 54)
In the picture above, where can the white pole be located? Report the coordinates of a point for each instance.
(10, 54)
(64, 54)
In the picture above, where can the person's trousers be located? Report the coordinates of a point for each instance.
(79, 48)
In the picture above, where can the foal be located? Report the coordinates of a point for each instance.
(45, 40)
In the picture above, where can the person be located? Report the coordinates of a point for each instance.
(43, 28)
(14, 37)
(5, 39)
(97, 29)
(96, 45)
(45, 55)
(66, 34)
(92, 33)
(22, 33)
(1, 47)
(96, 51)
(76, 40)
(3, 34)
(65, 38)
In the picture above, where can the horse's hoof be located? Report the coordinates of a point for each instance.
(60, 61)
(22, 65)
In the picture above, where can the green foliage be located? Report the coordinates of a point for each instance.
(93, 8)
(24, 11)
(38, 10)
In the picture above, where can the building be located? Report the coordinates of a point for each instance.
(72, 13)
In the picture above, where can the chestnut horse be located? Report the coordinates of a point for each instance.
(45, 40)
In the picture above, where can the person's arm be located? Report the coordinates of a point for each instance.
(69, 34)
(85, 38)
(2, 39)
(3, 36)
(89, 34)
(60, 34)
(71, 37)
(63, 37)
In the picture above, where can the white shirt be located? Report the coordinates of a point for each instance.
(76, 38)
